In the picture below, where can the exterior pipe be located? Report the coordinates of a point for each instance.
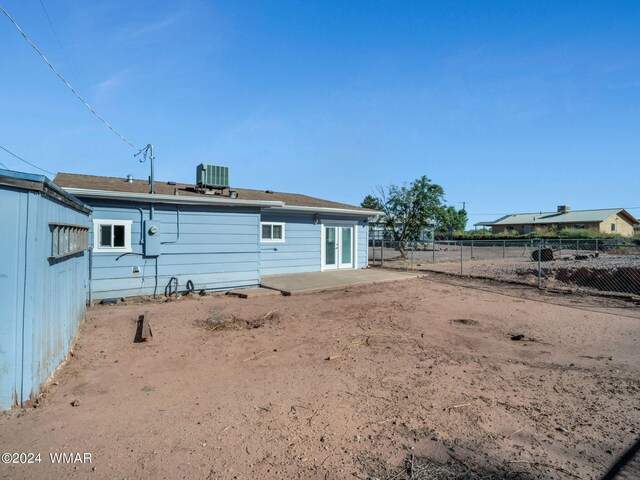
(177, 227)
(141, 225)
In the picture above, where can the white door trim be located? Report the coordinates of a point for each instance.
(354, 242)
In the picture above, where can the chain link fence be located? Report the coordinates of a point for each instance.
(596, 265)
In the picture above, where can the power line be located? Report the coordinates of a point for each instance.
(23, 160)
(55, 34)
(4, 166)
(65, 82)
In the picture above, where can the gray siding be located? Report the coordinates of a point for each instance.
(217, 249)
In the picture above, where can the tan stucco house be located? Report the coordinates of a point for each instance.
(607, 220)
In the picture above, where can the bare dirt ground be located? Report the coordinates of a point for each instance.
(343, 384)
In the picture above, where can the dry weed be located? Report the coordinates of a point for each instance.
(219, 319)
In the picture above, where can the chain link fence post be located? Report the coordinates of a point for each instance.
(539, 263)
(382, 253)
(433, 251)
(413, 247)
(504, 247)
(373, 253)
(461, 260)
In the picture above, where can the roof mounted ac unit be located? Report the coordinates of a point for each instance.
(212, 176)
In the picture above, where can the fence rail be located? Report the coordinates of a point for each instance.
(587, 264)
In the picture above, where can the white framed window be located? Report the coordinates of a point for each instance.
(112, 236)
(272, 232)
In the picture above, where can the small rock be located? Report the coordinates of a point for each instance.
(356, 438)
(75, 403)
(517, 337)
(323, 438)
(435, 438)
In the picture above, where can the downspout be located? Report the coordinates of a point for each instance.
(90, 274)
(155, 288)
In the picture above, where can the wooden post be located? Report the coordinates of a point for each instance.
(143, 329)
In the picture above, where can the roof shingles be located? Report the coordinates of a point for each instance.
(115, 184)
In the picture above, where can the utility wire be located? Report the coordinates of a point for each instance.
(4, 166)
(55, 34)
(23, 160)
(65, 82)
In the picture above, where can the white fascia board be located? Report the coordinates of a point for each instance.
(343, 211)
(173, 199)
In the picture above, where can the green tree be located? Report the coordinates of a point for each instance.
(371, 203)
(407, 209)
(450, 220)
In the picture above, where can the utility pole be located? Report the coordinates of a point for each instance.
(148, 149)
(464, 204)
(151, 159)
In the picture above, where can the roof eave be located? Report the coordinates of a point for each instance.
(40, 183)
(172, 199)
(344, 211)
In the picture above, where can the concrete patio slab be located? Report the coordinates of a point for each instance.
(296, 283)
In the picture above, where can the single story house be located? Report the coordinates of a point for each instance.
(44, 274)
(608, 220)
(209, 236)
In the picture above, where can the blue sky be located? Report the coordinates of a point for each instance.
(510, 106)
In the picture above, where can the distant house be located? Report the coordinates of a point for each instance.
(608, 220)
(209, 237)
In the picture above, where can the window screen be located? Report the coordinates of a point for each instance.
(105, 235)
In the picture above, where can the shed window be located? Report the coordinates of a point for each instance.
(613, 227)
(68, 239)
(112, 235)
(271, 232)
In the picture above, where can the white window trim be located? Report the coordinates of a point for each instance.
(127, 236)
(272, 240)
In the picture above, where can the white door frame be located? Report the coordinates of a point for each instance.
(354, 243)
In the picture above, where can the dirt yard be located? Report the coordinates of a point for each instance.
(355, 383)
